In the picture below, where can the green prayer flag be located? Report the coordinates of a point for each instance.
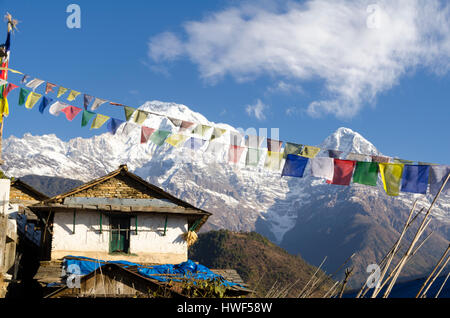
(366, 173)
(23, 96)
(292, 149)
(87, 115)
(253, 156)
(159, 136)
(128, 112)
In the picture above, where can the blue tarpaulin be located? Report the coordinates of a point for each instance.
(187, 270)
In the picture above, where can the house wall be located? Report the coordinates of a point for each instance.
(149, 245)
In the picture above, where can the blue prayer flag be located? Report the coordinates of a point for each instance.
(194, 143)
(415, 178)
(294, 166)
(44, 103)
(113, 125)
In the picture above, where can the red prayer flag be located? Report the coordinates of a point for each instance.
(343, 172)
(49, 87)
(146, 132)
(71, 112)
(9, 88)
(235, 153)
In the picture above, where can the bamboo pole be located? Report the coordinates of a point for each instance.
(442, 286)
(434, 278)
(432, 273)
(312, 277)
(348, 273)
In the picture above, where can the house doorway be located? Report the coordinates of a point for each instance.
(120, 234)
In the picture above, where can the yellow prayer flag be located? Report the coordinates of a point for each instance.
(32, 100)
(99, 120)
(309, 151)
(273, 160)
(4, 108)
(72, 95)
(61, 91)
(391, 174)
(176, 140)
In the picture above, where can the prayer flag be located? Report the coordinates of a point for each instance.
(23, 95)
(25, 79)
(34, 83)
(356, 157)
(294, 166)
(366, 173)
(215, 147)
(8, 89)
(391, 174)
(334, 153)
(61, 91)
(32, 100)
(159, 136)
(129, 128)
(380, 159)
(49, 87)
(72, 95)
(322, 167)
(273, 160)
(44, 103)
(56, 108)
(201, 130)
(194, 143)
(175, 122)
(309, 151)
(128, 112)
(87, 99)
(343, 171)
(113, 125)
(97, 102)
(217, 133)
(99, 120)
(176, 140)
(253, 156)
(254, 141)
(415, 178)
(140, 117)
(292, 149)
(71, 112)
(235, 153)
(235, 138)
(146, 132)
(4, 108)
(438, 174)
(406, 162)
(86, 117)
(185, 125)
(274, 145)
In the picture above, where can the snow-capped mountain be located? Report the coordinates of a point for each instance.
(241, 198)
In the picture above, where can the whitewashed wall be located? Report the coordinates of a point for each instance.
(149, 245)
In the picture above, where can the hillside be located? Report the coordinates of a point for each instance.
(51, 186)
(261, 264)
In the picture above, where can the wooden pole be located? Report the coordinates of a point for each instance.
(442, 286)
(348, 273)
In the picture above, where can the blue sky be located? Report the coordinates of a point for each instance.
(306, 67)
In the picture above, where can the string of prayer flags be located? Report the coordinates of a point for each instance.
(292, 149)
(214, 148)
(49, 87)
(175, 122)
(294, 166)
(343, 172)
(406, 162)
(159, 136)
(72, 95)
(56, 108)
(366, 173)
(274, 145)
(87, 99)
(235, 153)
(309, 151)
(415, 178)
(380, 159)
(273, 160)
(113, 125)
(8, 89)
(235, 138)
(25, 79)
(217, 133)
(129, 128)
(116, 104)
(71, 112)
(356, 157)
(254, 141)
(334, 153)
(34, 83)
(194, 143)
(44, 103)
(201, 130)
(140, 117)
(86, 117)
(391, 174)
(32, 99)
(322, 167)
(438, 174)
(99, 120)
(23, 95)
(146, 132)
(97, 103)
(185, 125)
(253, 156)
(129, 111)
(176, 140)
(61, 91)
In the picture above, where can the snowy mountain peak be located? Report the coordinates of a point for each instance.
(346, 140)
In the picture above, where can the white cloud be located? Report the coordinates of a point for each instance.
(286, 88)
(355, 52)
(257, 110)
